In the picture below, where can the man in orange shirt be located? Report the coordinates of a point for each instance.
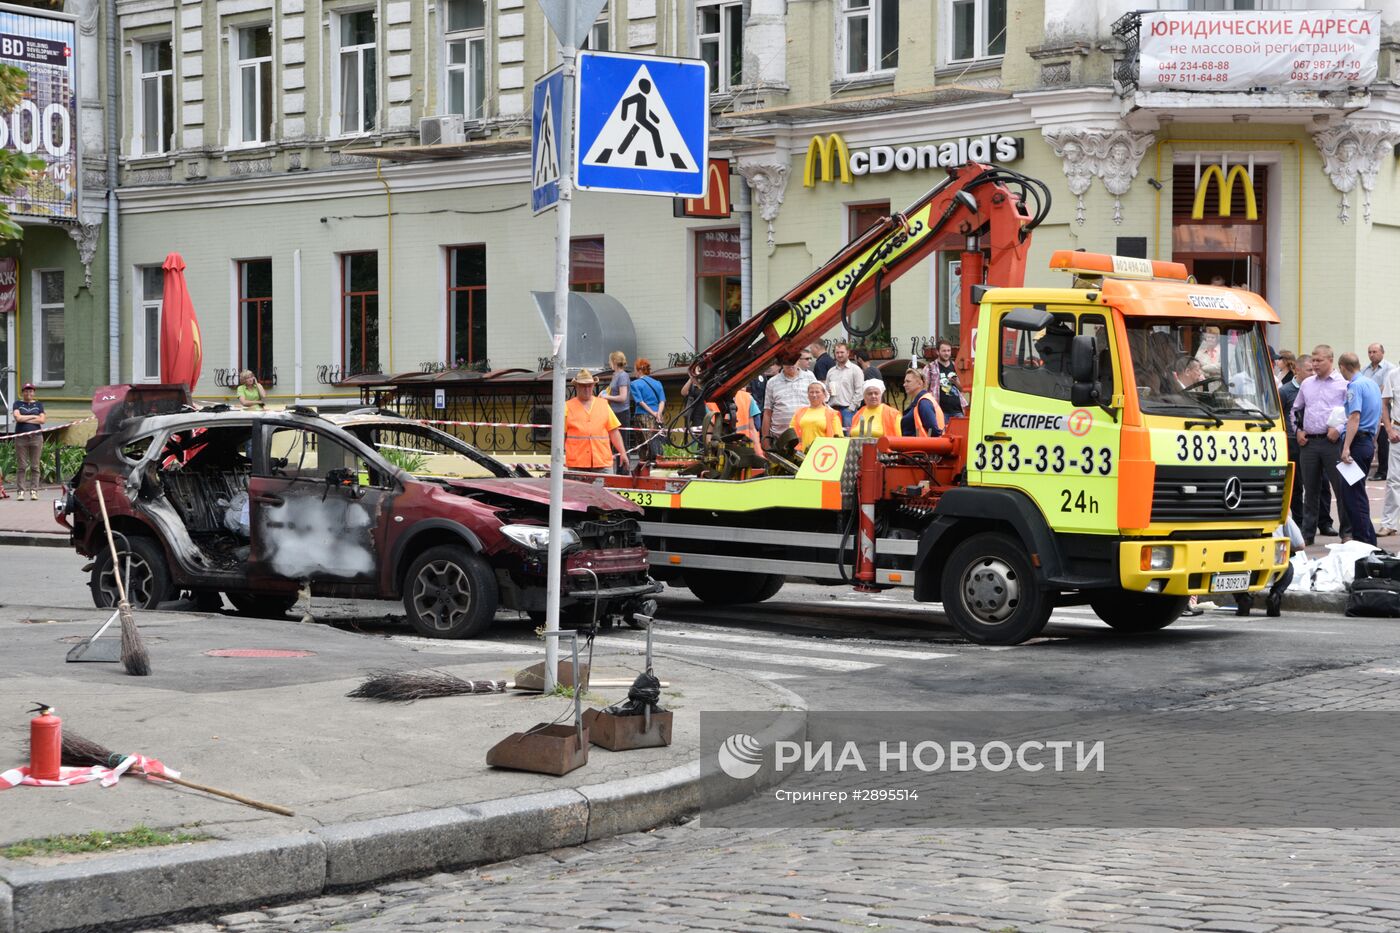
(589, 426)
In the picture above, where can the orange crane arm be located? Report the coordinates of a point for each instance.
(976, 208)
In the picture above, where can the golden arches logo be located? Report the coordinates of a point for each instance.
(1227, 187)
(825, 155)
(715, 203)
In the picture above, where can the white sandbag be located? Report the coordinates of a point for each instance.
(1303, 567)
(1336, 569)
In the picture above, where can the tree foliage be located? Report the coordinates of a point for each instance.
(16, 168)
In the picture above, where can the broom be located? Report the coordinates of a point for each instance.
(80, 752)
(134, 657)
(420, 685)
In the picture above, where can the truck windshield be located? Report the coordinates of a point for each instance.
(1185, 365)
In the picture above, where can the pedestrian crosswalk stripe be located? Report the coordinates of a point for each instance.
(838, 665)
(640, 132)
(799, 643)
(771, 675)
(546, 151)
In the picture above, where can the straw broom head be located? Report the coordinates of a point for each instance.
(391, 686)
(135, 658)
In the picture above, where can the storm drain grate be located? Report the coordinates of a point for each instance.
(259, 653)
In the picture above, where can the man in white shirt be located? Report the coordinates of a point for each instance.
(784, 395)
(1390, 429)
(1379, 372)
(845, 382)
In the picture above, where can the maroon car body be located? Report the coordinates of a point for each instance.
(256, 505)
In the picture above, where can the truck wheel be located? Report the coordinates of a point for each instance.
(1137, 612)
(147, 579)
(729, 589)
(770, 588)
(449, 592)
(261, 607)
(990, 593)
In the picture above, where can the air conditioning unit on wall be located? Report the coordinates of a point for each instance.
(448, 128)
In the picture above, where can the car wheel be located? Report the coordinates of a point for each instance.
(1137, 612)
(770, 587)
(449, 592)
(721, 588)
(990, 593)
(261, 607)
(143, 569)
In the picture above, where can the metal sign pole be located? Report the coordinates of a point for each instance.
(561, 340)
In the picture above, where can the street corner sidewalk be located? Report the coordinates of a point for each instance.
(380, 790)
(27, 522)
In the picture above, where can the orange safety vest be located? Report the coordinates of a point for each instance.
(919, 429)
(743, 419)
(833, 423)
(586, 433)
(889, 421)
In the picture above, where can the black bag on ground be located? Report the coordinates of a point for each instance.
(1375, 598)
(1378, 566)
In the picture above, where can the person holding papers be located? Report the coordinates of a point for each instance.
(1363, 409)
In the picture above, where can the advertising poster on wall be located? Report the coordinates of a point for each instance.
(45, 121)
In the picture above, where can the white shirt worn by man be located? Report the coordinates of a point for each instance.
(783, 397)
(844, 383)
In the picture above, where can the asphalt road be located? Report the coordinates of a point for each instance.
(842, 651)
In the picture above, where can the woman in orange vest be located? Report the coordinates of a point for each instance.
(589, 426)
(816, 420)
(923, 417)
(875, 418)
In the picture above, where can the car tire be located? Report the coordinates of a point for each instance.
(150, 583)
(770, 588)
(449, 592)
(1133, 613)
(721, 588)
(261, 607)
(990, 592)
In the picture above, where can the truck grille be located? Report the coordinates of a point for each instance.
(1205, 494)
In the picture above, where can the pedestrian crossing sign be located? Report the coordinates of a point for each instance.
(643, 124)
(546, 141)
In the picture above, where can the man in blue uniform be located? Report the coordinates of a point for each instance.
(1363, 408)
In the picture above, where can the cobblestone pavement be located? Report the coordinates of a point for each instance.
(694, 877)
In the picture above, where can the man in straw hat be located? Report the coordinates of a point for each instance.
(589, 426)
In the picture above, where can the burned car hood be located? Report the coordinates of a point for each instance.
(578, 497)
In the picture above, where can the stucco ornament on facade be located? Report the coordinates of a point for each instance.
(769, 183)
(87, 11)
(1351, 154)
(1112, 155)
(84, 233)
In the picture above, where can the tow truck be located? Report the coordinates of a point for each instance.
(1123, 445)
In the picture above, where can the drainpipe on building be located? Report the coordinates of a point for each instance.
(114, 346)
(745, 213)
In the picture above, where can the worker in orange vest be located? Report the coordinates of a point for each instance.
(817, 419)
(745, 411)
(589, 426)
(874, 418)
(923, 417)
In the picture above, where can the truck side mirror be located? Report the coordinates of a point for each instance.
(1084, 370)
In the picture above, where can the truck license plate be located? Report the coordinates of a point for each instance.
(1229, 582)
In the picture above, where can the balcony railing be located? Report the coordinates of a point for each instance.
(1125, 30)
(228, 378)
(330, 374)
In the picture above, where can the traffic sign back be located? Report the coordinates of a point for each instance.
(643, 124)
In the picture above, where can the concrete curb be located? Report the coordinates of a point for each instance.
(34, 539)
(1314, 602)
(209, 878)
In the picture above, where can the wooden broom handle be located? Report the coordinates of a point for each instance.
(272, 807)
(107, 525)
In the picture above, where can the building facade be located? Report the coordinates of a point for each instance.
(278, 145)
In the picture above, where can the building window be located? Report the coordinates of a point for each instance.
(155, 100)
(978, 30)
(870, 35)
(721, 35)
(255, 317)
(145, 365)
(252, 84)
(48, 327)
(586, 264)
(359, 304)
(357, 81)
(718, 301)
(466, 303)
(466, 58)
(599, 38)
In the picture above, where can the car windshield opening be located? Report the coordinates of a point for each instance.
(1204, 366)
(427, 452)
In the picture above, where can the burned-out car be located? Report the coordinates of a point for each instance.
(369, 505)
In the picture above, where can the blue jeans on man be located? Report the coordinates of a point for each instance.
(847, 416)
(1355, 498)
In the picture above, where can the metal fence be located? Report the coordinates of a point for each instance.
(1125, 68)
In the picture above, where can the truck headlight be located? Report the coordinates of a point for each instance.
(1157, 557)
(1280, 552)
(536, 537)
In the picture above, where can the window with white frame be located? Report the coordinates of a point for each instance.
(150, 290)
(465, 69)
(720, 32)
(357, 72)
(869, 36)
(155, 97)
(48, 326)
(252, 84)
(976, 29)
(599, 38)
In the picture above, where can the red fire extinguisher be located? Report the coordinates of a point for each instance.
(45, 743)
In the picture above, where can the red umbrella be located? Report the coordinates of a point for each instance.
(181, 350)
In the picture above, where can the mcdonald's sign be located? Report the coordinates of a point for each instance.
(1227, 187)
(825, 156)
(715, 203)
